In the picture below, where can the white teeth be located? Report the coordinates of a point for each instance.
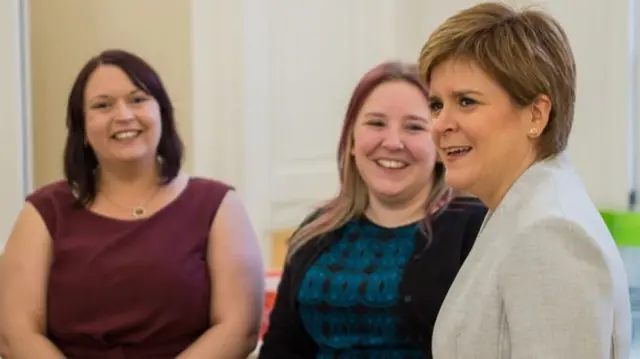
(126, 135)
(457, 150)
(391, 164)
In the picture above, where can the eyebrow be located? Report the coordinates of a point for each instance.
(417, 118)
(374, 114)
(458, 93)
(408, 117)
(103, 96)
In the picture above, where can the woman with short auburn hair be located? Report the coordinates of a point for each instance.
(544, 279)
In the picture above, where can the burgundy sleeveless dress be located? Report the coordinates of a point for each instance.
(122, 289)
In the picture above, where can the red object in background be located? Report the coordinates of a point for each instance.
(272, 279)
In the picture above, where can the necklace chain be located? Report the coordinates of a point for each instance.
(136, 211)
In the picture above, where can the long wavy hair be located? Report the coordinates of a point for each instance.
(352, 199)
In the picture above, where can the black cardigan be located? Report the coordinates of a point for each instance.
(427, 278)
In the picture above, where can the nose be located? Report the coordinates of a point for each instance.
(443, 122)
(392, 140)
(123, 112)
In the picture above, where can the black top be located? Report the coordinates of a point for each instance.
(423, 287)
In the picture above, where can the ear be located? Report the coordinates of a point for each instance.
(540, 112)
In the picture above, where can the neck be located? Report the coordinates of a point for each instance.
(128, 178)
(395, 213)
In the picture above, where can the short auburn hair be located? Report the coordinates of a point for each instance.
(525, 51)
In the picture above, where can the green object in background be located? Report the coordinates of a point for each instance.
(624, 227)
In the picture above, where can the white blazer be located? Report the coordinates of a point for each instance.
(543, 281)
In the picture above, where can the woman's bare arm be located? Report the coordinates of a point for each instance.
(237, 280)
(23, 276)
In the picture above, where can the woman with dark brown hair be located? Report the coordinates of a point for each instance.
(129, 257)
(367, 272)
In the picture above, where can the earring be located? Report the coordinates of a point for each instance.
(533, 132)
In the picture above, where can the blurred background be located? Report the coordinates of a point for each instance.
(260, 88)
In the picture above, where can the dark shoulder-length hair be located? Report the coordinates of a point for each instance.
(80, 162)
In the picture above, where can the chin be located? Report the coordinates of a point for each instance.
(131, 157)
(131, 152)
(388, 191)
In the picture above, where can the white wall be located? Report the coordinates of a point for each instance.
(271, 83)
(230, 124)
(14, 115)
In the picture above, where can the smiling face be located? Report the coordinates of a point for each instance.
(392, 147)
(123, 123)
(484, 140)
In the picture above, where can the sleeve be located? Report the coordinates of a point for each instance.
(557, 290)
(286, 337)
